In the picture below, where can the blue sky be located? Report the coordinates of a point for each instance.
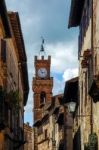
(48, 18)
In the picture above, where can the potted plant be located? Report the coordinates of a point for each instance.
(93, 138)
(14, 100)
(86, 146)
(93, 141)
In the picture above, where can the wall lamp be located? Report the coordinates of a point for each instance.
(72, 107)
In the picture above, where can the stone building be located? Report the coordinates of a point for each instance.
(58, 122)
(14, 86)
(28, 137)
(50, 133)
(5, 33)
(17, 64)
(71, 124)
(85, 15)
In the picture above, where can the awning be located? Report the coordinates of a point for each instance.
(71, 91)
(37, 123)
(46, 116)
(55, 110)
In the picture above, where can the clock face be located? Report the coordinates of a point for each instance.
(42, 72)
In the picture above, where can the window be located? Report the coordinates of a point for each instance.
(1, 103)
(40, 130)
(86, 90)
(3, 51)
(42, 97)
(88, 3)
(84, 24)
(46, 133)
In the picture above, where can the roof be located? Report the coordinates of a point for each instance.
(58, 99)
(16, 28)
(45, 117)
(75, 13)
(37, 123)
(4, 17)
(71, 90)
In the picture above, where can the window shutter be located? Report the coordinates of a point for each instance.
(3, 50)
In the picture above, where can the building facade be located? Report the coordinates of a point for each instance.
(50, 131)
(5, 33)
(28, 137)
(85, 15)
(14, 86)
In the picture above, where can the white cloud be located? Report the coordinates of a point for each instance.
(64, 55)
(70, 73)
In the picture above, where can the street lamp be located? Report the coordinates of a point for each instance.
(71, 106)
(69, 109)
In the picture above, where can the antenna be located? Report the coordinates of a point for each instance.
(42, 50)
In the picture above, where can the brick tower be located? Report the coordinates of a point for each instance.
(42, 85)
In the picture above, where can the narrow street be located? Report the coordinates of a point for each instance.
(49, 75)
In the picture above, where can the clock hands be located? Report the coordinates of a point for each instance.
(42, 72)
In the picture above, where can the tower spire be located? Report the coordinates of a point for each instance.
(42, 50)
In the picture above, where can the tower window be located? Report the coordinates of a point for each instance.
(42, 97)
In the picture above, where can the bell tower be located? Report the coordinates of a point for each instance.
(42, 84)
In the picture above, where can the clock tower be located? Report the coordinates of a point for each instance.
(42, 85)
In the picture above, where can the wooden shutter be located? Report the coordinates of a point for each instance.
(3, 50)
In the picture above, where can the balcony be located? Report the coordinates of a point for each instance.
(94, 86)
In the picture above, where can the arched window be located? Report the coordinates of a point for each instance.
(42, 97)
